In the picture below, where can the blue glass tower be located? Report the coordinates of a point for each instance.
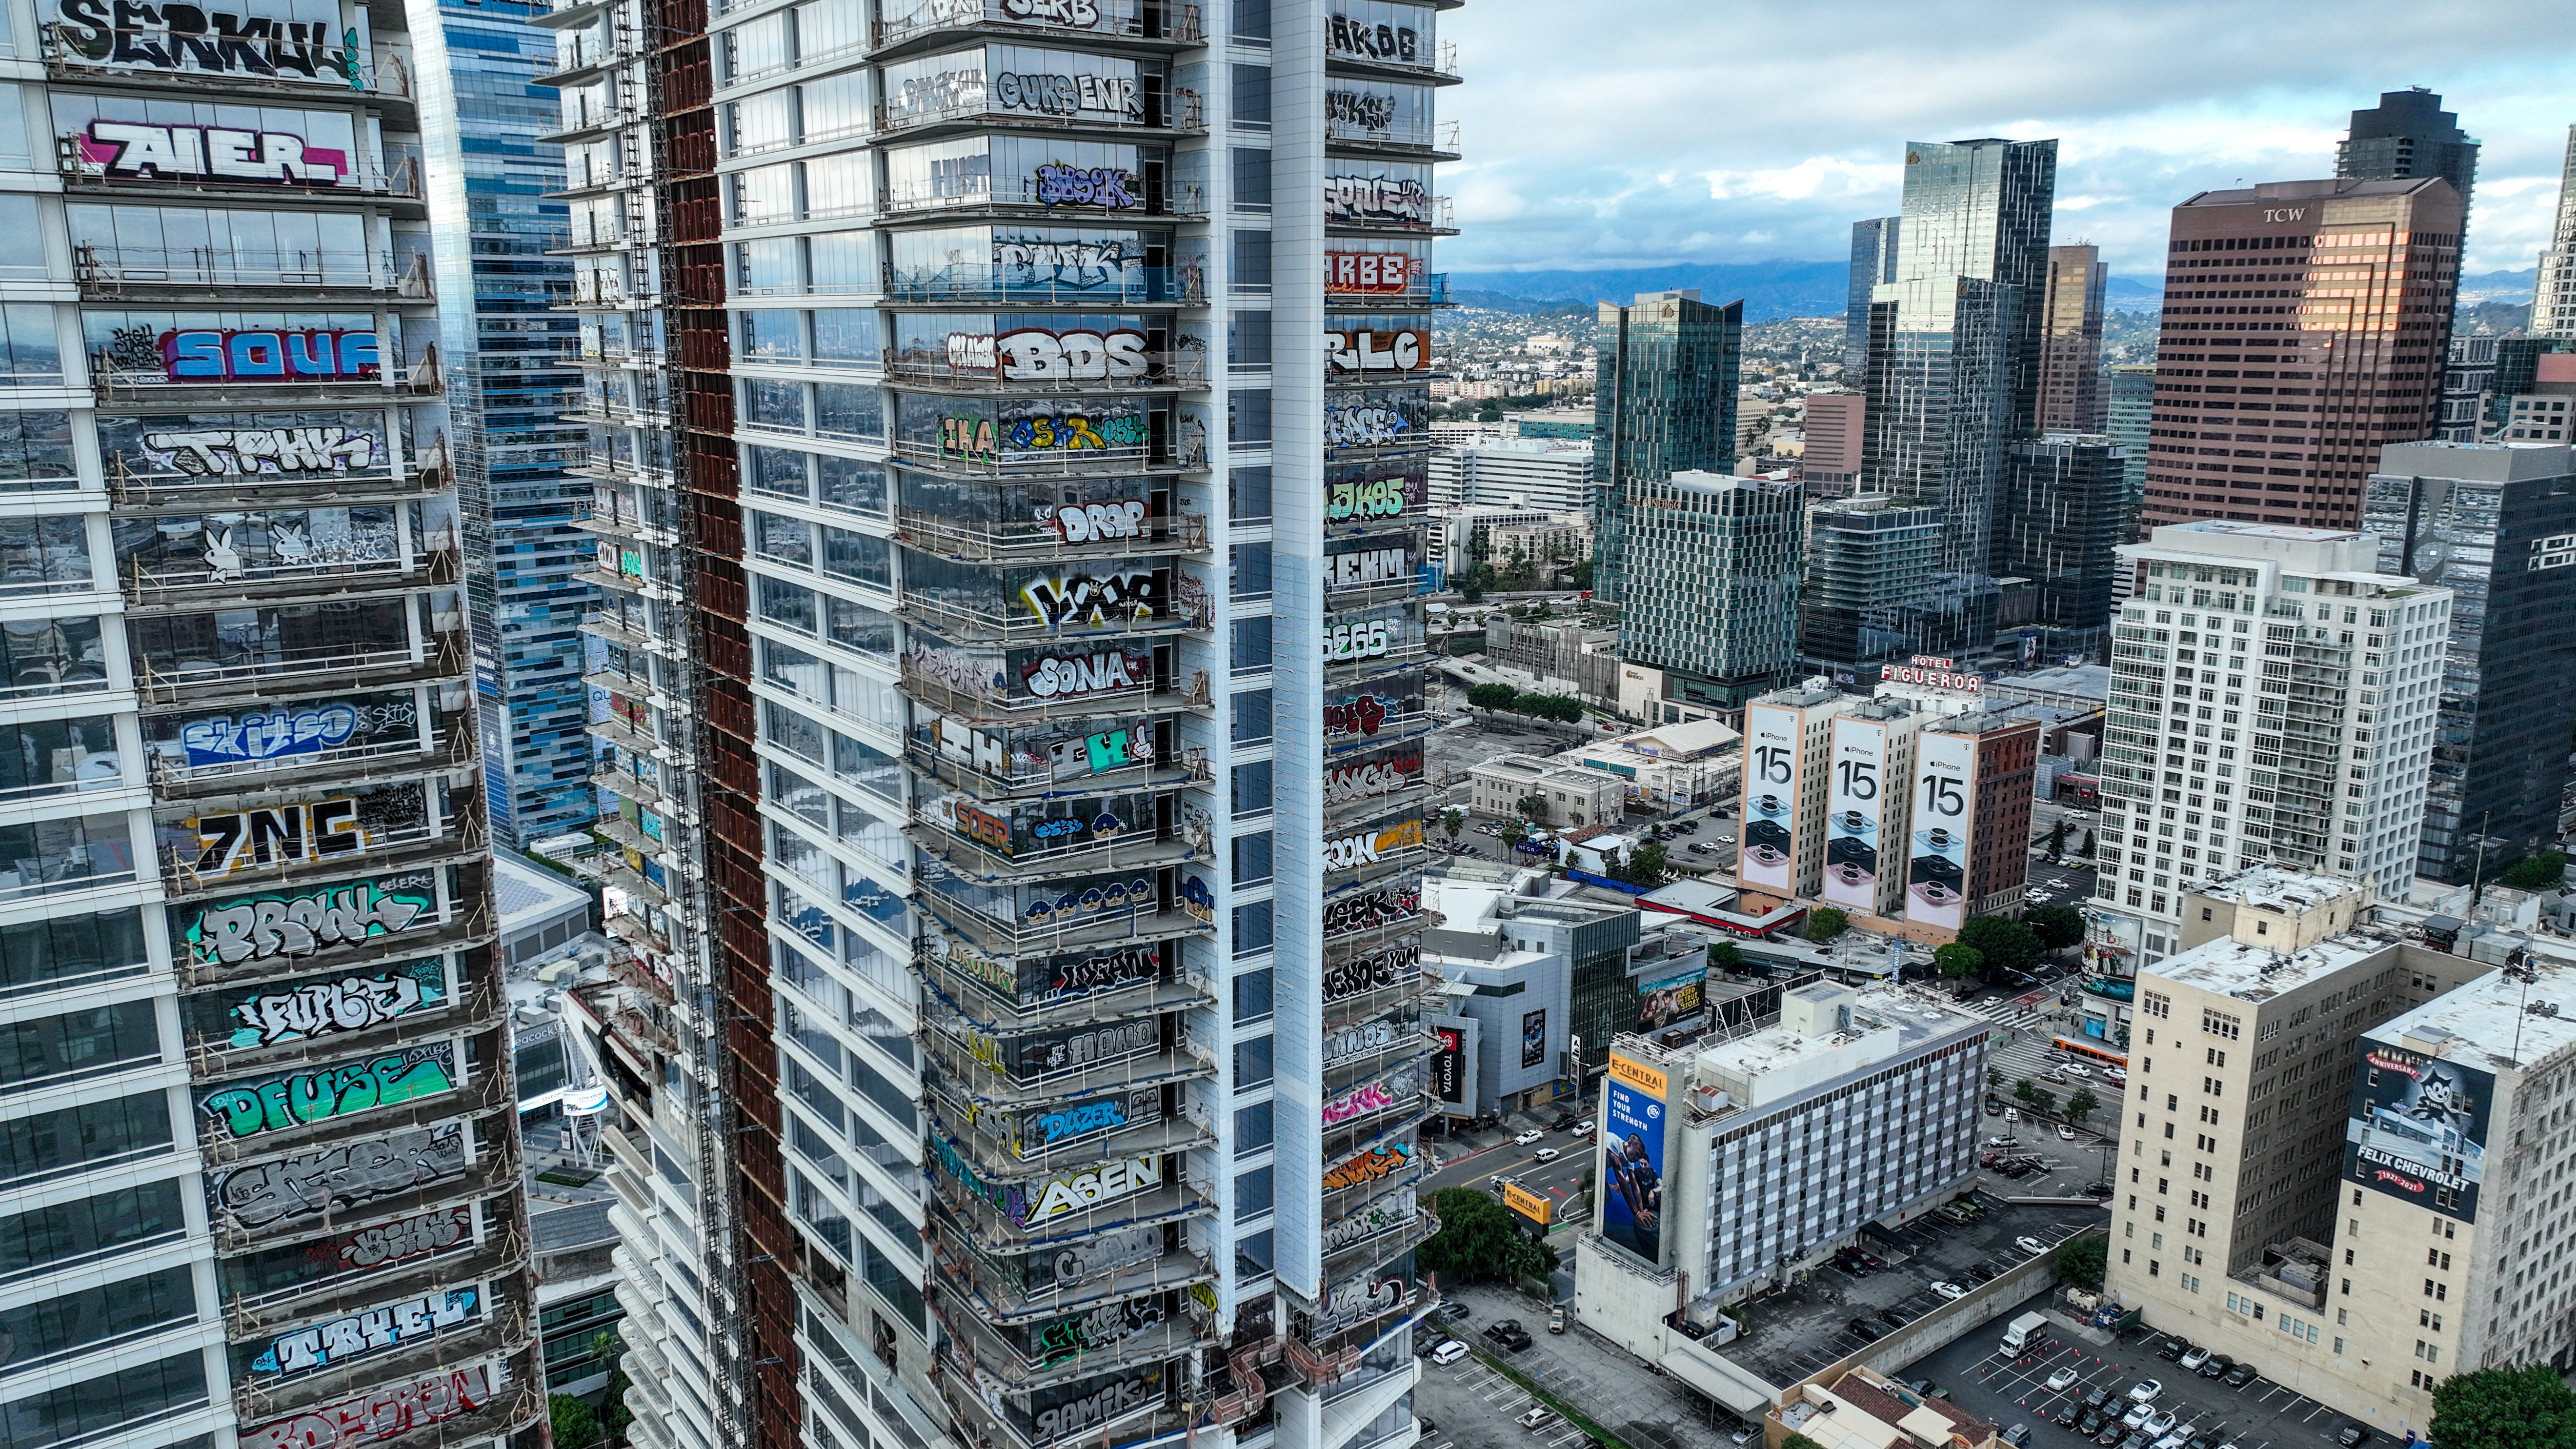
(513, 375)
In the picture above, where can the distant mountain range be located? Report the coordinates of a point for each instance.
(1783, 288)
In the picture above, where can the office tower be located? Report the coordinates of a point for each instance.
(1834, 426)
(2273, 410)
(2553, 297)
(1013, 521)
(1711, 592)
(2469, 372)
(2407, 137)
(1954, 356)
(2065, 509)
(2132, 410)
(1869, 807)
(2272, 703)
(2531, 375)
(1864, 554)
(1881, 1111)
(2071, 393)
(1969, 850)
(2497, 527)
(2366, 1242)
(1664, 404)
(1873, 260)
(1549, 474)
(262, 1159)
(513, 379)
(1788, 744)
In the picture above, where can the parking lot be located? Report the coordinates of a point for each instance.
(1471, 1404)
(2013, 1389)
(1798, 1330)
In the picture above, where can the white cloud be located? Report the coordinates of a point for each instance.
(1673, 131)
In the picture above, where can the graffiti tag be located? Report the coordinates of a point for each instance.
(268, 736)
(184, 37)
(1091, 599)
(380, 1414)
(359, 1334)
(299, 1099)
(1369, 1166)
(408, 1237)
(220, 452)
(1081, 14)
(1406, 349)
(1102, 186)
(1373, 972)
(352, 1174)
(301, 925)
(1376, 198)
(1034, 354)
(325, 1008)
(1069, 95)
(169, 153)
(1097, 522)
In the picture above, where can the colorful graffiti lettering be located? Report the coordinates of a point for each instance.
(1068, 1338)
(1358, 639)
(1071, 432)
(1034, 354)
(1092, 600)
(380, 1414)
(1373, 972)
(170, 153)
(408, 1237)
(328, 1093)
(1080, 1121)
(1372, 1097)
(268, 736)
(1069, 95)
(277, 835)
(973, 439)
(356, 1335)
(1378, 1218)
(1072, 906)
(1081, 14)
(225, 452)
(1405, 349)
(350, 1175)
(324, 1008)
(186, 38)
(1082, 1191)
(1097, 522)
(1376, 273)
(1367, 427)
(1376, 198)
(1361, 714)
(1370, 910)
(261, 927)
(1102, 186)
(205, 354)
(1369, 1166)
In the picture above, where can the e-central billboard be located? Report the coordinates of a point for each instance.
(1855, 803)
(2418, 1129)
(1632, 1158)
(1945, 791)
(1769, 859)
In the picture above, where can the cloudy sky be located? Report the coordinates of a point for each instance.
(1639, 132)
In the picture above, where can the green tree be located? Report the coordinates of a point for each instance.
(1480, 1238)
(1489, 410)
(2057, 927)
(2087, 851)
(1533, 806)
(2006, 944)
(1648, 866)
(2522, 1408)
(2044, 1100)
(1583, 573)
(2081, 1105)
(1994, 1076)
(1452, 821)
(1514, 833)
(2025, 1089)
(2080, 1261)
(1490, 697)
(1958, 962)
(575, 1424)
(2057, 838)
(2543, 872)
(614, 1416)
(1725, 956)
(1824, 923)
(1476, 581)
(1799, 1441)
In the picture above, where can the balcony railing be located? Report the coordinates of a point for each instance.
(124, 389)
(82, 161)
(1079, 282)
(107, 273)
(1118, 20)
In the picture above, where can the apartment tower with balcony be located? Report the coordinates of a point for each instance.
(259, 1162)
(1007, 423)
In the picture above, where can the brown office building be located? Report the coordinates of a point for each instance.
(1832, 461)
(2305, 324)
(2074, 397)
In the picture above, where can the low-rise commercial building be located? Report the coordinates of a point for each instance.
(1568, 794)
(1732, 1158)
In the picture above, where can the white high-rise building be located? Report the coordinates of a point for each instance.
(1008, 423)
(1552, 475)
(2553, 297)
(2272, 702)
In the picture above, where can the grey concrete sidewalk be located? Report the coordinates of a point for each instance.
(1617, 1392)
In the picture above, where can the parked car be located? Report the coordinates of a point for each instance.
(2030, 1245)
(2193, 1358)
(2175, 1438)
(1538, 1414)
(2065, 1133)
(1556, 1319)
(2059, 1381)
(2136, 1418)
(2137, 1439)
(2090, 1424)
(1981, 1273)
(2145, 1391)
(2350, 1434)
(2012, 1114)
(1863, 1329)
(2158, 1423)
(1951, 1290)
(2068, 1414)
(2239, 1376)
(2173, 1348)
(2018, 1436)
(2216, 1366)
(1994, 1108)
(1893, 1319)
(2111, 1433)
(1448, 1353)
(2098, 1396)
(1564, 1120)
(1743, 1435)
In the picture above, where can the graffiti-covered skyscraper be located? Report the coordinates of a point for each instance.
(261, 1156)
(1955, 354)
(1009, 434)
(1664, 403)
(508, 346)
